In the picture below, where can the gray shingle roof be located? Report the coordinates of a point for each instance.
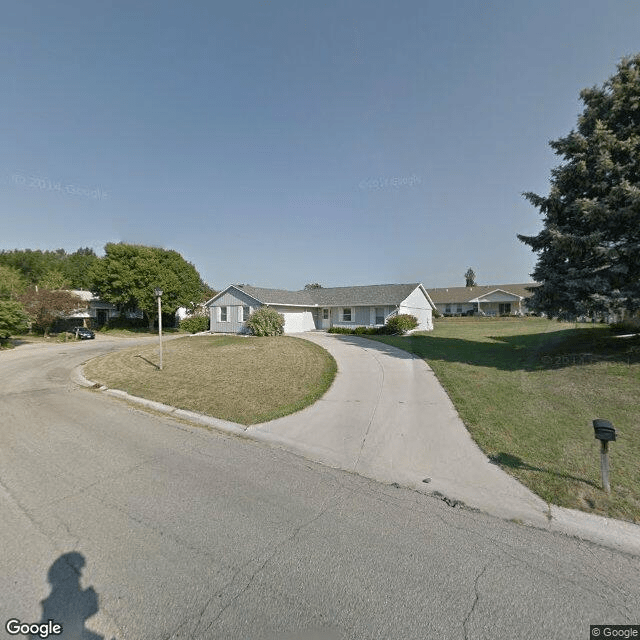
(374, 294)
(450, 295)
(369, 295)
(278, 296)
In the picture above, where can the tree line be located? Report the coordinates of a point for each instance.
(36, 286)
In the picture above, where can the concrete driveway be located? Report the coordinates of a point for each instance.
(190, 533)
(387, 417)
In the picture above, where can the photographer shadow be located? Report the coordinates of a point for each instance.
(68, 604)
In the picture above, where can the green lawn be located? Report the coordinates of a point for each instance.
(528, 389)
(247, 380)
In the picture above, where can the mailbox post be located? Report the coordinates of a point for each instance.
(605, 432)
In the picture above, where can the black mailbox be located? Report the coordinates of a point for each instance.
(604, 430)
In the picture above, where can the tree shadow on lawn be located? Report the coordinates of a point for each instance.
(525, 352)
(503, 459)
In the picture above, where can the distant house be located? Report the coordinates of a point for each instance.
(310, 309)
(182, 313)
(490, 300)
(93, 312)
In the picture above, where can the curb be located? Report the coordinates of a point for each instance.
(609, 532)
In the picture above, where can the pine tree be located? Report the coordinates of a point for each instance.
(470, 278)
(589, 247)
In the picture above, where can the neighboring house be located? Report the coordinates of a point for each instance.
(490, 300)
(95, 312)
(309, 309)
(182, 312)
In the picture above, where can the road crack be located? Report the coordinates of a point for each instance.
(475, 601)
(330, 503)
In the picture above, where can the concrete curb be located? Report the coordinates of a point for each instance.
(616, 534)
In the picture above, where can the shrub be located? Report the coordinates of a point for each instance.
(266, 322)
(366, 331)
(340, 330)
(125, 323)
(630, 325)
(195, 324)
(401, 323)
(357, 331)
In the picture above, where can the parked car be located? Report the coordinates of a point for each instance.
(82, 333)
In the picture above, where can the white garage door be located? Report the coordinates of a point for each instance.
(298, 321)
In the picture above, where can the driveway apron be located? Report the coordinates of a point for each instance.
(387, 417)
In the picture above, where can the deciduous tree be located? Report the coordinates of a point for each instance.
(45, 307)
(128, 274)
(12, 283)
(13, 319)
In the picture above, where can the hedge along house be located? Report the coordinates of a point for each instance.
(488, 300)
(312, 309)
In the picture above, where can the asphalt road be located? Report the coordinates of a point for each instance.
(137, 526)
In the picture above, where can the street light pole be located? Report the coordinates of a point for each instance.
(158, 293)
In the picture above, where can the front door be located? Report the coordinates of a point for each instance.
(101, 317)
(326, 318)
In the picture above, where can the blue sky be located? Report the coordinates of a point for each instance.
(286, 142)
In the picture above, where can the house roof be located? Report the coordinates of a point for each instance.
(278, 296)
(87, 296)
(381, 294)
(451, 295)
(369, 295)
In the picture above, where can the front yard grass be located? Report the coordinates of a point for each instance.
(528, 390)
(247, 380)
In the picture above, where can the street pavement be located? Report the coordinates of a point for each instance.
(135, 525)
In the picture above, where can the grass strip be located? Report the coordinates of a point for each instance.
(528, 389)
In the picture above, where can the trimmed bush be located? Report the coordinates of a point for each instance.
(195, 324)
(401, 323)
(357, 331)
(340, 330)
(266, 321)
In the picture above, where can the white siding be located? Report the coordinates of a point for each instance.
(416, 304)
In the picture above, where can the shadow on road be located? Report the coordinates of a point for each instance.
(68, 604)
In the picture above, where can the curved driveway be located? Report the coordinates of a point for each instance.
(188, 533)
(387, 417)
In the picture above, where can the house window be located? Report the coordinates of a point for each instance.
(447, 309)
(246, 312)
(379, 315)
(223, 314)
(325, 314)
(504, 307)
(346, 315)
(459, 309)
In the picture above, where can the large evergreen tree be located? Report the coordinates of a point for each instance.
(589, 247)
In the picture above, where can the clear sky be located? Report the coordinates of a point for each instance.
(285, 142)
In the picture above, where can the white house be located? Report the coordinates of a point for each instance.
(310, 309)
(95, 312)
